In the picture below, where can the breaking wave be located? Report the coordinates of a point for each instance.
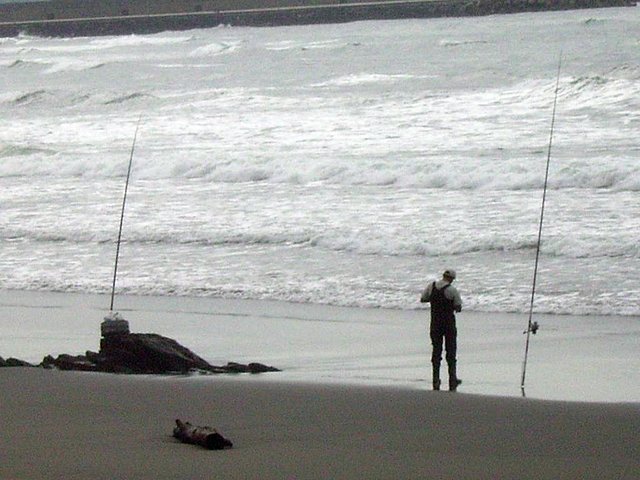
(300, 167)
(29, 97)
(138, 40)
(214, 49)
(361, 79)
(460, 43)
(586, 247)
(483, 174)
(125, 98)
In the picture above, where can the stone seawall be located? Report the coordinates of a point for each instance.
(64, 18)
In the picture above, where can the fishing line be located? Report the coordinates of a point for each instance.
(532, 327)
(124, 202)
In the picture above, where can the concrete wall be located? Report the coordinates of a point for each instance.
(113, 17)
(63, 9)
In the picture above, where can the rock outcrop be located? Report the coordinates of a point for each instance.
(138, 353)
(14, 362)
(146, 353)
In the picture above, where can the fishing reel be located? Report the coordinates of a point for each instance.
(533, 328)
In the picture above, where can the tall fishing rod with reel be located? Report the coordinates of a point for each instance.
(532, 327)
(113, 322)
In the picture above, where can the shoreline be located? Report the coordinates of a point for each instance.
(65, 18)
(107, 426)
(131, 298)
(342, 345)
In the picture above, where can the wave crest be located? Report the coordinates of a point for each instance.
(29, 97)
(125, 98)
(482, 174)
(360, 244)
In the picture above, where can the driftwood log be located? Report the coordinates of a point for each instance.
(206, 437)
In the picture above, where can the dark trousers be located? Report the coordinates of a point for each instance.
(444, 333)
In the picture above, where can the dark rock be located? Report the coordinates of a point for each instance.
(147, 353)
(15, 362)
(69, 362)
(48, 362)
(139, 353)
(233, 367)
(260, 368)
(92, 356)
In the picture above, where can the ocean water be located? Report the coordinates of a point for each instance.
(345, 165)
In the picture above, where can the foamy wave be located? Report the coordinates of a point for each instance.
(594, 21)
(619, 174)
(363, 245)
(80, 236)
(41, 98)
(361, 79)
(592, 247)
(322, 293)
(322, 45)
(360, 244)
(29, 97)
(281, 45)
(215, 49)
(458, 43)
(181, 66)
(600, 91)
(626, 70)
(137, 40)
(55, 65)
(125, 98)
(72, 65)
(7, 151)
(18, 63)
(554, 247)
(81, 45)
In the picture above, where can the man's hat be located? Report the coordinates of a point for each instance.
(449, 273)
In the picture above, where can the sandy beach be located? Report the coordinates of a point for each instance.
(82, 425)
(352, 402)
(292, 191)
(575, 358)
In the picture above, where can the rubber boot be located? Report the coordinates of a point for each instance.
(454, 381)
(436, 377)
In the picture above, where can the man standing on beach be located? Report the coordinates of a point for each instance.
(445, 301)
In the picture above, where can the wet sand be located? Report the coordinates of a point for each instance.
(353, 401)
(77, 425)
(572, 358)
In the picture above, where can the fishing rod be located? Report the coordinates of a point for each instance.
(532, 327)
(124, 202)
